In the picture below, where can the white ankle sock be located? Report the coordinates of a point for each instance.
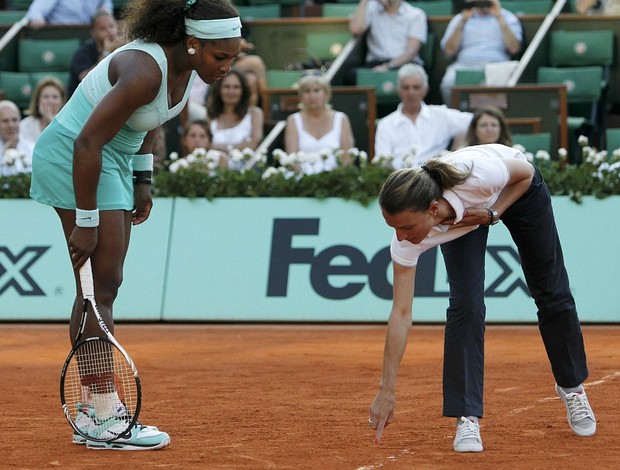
(577, 389)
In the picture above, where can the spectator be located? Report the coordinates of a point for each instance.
(105, 38)
(233, 122)
(488, 126)
(395, 32)
(48, 97)
(477, 36)
(49, 12)
(416, 131)
(13, 152)
(195, 136)
(317, 127)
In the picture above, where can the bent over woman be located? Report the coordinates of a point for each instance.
(93, 163)
(453, 201)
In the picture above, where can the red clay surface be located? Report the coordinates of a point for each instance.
(297, 397)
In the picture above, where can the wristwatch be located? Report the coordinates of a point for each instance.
(493, 216)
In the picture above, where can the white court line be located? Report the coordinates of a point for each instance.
(393, 458)
(602, 381)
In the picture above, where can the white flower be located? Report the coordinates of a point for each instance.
(174, 156)
(269, 172)
(582, 140)
(562, 152)
(542, 155)
(11, 156)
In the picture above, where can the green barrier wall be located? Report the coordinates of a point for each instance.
(288, 260)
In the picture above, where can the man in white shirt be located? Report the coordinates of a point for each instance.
(395, 32)
(14, 156)
(416, 131)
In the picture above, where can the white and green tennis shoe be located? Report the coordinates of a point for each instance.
(141, 438)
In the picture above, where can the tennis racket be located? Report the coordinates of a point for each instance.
(99, 385)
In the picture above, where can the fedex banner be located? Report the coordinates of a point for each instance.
(288, 260)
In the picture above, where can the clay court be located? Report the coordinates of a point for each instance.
(297, 397)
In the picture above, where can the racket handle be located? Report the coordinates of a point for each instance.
(86, 280)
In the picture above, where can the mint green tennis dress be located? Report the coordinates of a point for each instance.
(52, 161)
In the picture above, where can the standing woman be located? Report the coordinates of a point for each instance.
(452, 201)
(317, 127)
(233, 122)
(93, 163)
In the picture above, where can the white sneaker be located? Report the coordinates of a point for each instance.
(578, 412)
(467, 437)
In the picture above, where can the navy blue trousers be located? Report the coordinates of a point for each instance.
(531, 224)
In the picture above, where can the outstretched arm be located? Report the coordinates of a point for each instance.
(399, 324)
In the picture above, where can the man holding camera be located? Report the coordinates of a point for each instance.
(481, 33)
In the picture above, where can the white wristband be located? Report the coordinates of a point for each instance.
(142, 162)
(87, 219)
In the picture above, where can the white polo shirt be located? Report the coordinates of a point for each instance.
(489, 175)
(388, 34)
(428, 136)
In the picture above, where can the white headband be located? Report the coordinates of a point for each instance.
(214, 29)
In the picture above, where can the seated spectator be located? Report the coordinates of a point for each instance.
(488, 126)
(53, 12)
(416, 131)
(14, 157)
(233, 122)
(105, 38)
(317, 127)
(395, 32)
(477, 36)
(48, 97)
(195, 136)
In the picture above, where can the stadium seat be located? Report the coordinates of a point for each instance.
(612, 139)
(282, 78)
(62, 75)
(469, 77)
(10, 17)
(434, 8)
(40, 55)
(527, 7)
(385, 85)
(251, 12)
(326, 46)
(534, 141)
(338, 10)
(17, 87)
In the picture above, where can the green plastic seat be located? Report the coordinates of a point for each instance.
(251, 12)
(282, 78)
(469, 77)
(534, 141)
(434, 8)
(40, 55)
(385, 84)
(581, 48)
(326, 46)
(338, 10)
(612, 139)
(17, 87)
(527, 7)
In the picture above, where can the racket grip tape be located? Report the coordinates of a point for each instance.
(86, 280)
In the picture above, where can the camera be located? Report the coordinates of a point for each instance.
(477, 4)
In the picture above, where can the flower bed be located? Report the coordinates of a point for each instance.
(278, 175)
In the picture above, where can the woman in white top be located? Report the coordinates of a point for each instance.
(233, 123)
(48, 97)
(452, 201)
(317, 127)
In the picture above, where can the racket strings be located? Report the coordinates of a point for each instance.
(100, 389)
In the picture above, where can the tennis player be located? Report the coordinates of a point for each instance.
(94, 162)
(454, 201)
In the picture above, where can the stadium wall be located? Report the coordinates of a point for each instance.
(289, 260)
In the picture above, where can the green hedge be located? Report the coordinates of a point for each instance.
(598, 175)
